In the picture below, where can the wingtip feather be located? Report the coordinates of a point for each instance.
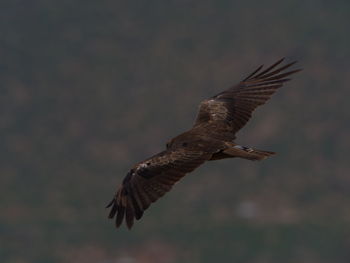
(110, 203)
(120, 216)
(129, 215)
(251, 75)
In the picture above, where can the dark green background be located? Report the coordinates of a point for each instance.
(88, 88)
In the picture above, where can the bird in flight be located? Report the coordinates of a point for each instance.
(212, 137)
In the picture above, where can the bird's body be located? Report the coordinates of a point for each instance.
(211, 138)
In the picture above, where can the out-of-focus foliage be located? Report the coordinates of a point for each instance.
(88, 88)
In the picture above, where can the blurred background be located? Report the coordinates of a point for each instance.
(88, 88)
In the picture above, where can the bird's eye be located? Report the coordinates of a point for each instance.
(184, 144)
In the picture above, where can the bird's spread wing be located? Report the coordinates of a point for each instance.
(150, 180)
(235, 105)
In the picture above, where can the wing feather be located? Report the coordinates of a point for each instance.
(234, 106)
(150, 180)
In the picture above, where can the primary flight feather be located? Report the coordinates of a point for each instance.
(211, 138)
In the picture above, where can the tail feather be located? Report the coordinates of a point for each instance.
(248, 153)
(260, 154)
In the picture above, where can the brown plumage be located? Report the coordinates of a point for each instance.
(211, 138)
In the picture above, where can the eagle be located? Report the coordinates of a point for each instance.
(212, 137)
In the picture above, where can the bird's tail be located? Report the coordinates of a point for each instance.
(248, 153)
